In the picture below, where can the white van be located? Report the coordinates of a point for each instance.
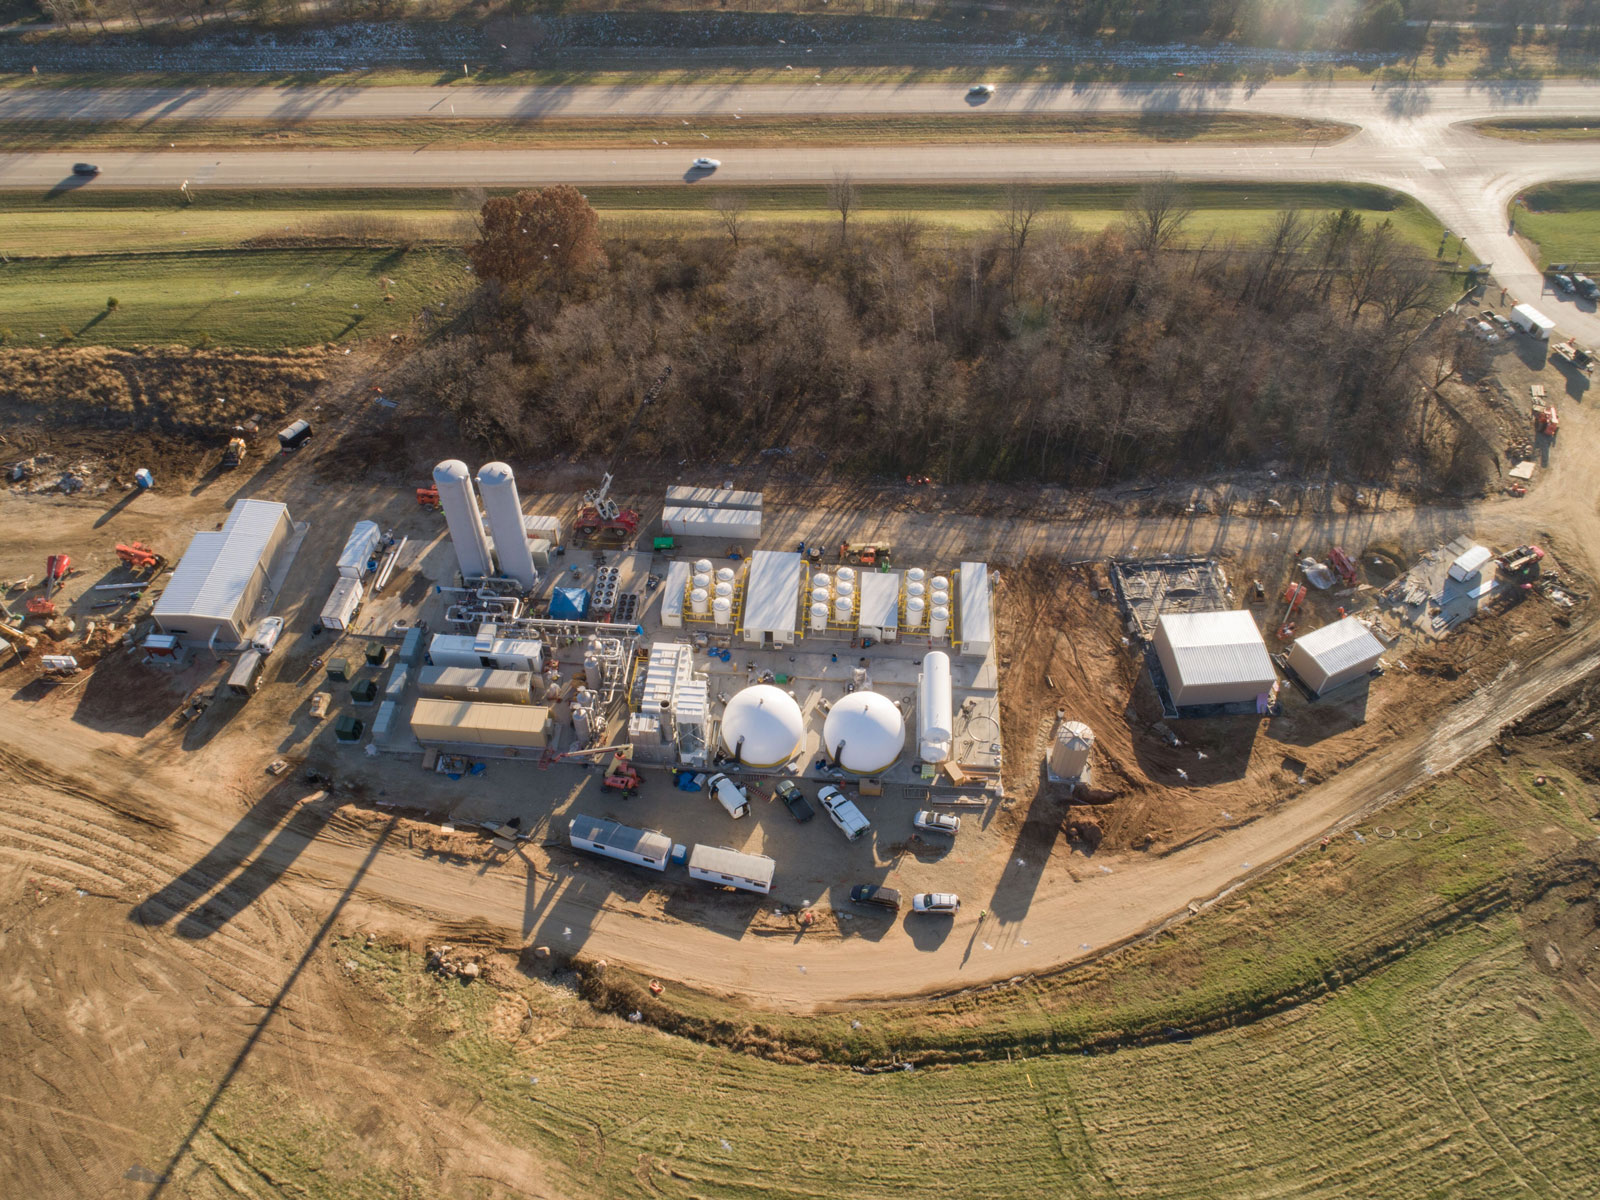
(730, 795)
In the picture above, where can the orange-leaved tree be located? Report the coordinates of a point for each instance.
(545, 234)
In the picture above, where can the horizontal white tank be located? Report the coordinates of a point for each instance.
(916, 575)
(845, 574)
(699, 602)
(939, 623)
(819, 616)
(725, 575)
(722, 610)
(935, 711)
(702, 566)
(914, 610)
(843, 610)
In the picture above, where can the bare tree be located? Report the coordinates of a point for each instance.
(729, 207)
(842, 198)
(1154, 217)
(1024, 203)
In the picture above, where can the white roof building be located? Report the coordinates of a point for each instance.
(214, 588)
(1213, 658)
(880, 604)
(772, 598)
(974, 615)
(1334, 655)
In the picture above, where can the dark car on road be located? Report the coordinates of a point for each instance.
(873, 893)
(794, 800)
(85, 169)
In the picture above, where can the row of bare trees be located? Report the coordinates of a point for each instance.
(1037, 351)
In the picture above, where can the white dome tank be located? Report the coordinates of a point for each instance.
(916, 575)
(724, 590)
(819, 616)
(939, 622)
(763, 726)
(821, 580)
(843, 610)
(864, 733)
(460, 504)
(820, 596)
(914, 610)
(844, 589)
(939, 583)
(845, 574)
(725, 575)
(940, 598)
(699, 602)
(498, 486)
(722, 610)
(702, 566)
(913, 588)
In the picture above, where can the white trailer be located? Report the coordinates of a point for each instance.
(641, 847)
(343, 604)
(732, 868)
(974, 616)
(359, 549)
(1532, 322)
(741, 524)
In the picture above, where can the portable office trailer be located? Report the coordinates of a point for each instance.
(359, 549)
(343, 603)
(245, 679)
(732, 868)
(476, 683)
(641, 847)
(471, 722)
(738, 523)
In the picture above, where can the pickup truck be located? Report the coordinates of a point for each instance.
(843, 813)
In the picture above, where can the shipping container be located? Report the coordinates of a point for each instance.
(738, 523)
(343, 604)
(469, 722)
(476, 683)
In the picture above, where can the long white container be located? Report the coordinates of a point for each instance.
(343, 603)
(359, 549)
(1532, 322)
(935, 708)
(739, 523)
(641, 847)
(732, 868)
(974, 616)
(672, 594)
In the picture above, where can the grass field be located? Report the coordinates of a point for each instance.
(266, 299)
(723, 132)
(1564, 219)
(1445, 1066)
(1543, 129)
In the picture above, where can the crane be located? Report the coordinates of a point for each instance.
(600, 514)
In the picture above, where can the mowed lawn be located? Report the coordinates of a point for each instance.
(258, 298)
(1564, 218)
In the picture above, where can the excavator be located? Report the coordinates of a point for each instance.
(600, 517)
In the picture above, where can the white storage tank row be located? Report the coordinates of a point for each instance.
(459, 500)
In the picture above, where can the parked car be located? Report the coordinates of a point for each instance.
(267, 634)
(794, 800)
(1587, 288)
(85, 169)
(1484, 330)
(706, 164)
(937, 822)
(935, 902)
(1564, 282)
(873, 893)
(981, 89)
(843, 813)
(1504, 325)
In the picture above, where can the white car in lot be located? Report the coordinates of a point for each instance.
(706, 164)
(936, 822)
(935, 902)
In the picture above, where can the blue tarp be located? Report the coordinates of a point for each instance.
(569, 604)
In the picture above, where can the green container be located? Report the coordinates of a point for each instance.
(348, 728)
(339, 668)
(665, 543)
(364, 691)
(376, 653)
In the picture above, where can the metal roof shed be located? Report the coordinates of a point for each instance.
(214, 588)
(1470, 563)
(1213, 658)
(772, 597)
(880, 604)
(1334, 655)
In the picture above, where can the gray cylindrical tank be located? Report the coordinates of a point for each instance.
(499, 487)
(460, 504)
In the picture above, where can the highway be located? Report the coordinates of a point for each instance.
(1413, 137)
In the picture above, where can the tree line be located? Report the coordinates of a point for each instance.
(1035, 351)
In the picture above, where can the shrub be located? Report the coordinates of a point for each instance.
(112, 304)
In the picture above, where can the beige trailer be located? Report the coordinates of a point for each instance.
(476, 683)
(472, 723)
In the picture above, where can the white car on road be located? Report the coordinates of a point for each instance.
(706, 164)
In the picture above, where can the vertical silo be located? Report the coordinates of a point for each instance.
(461, 514)
(500, 499)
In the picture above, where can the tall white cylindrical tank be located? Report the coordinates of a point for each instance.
(844, 589)
(763, 726)
(702, 566)
(915, 607)
(938, 622)
(845, 574)
(819, 615)
(702, 580)
(939, 583)
(722, 610)
(725, 575)
(820, 595)
(914, 589)
(916, 575)
(1069, 753)
(499, 487)
(699, 602)
(935, 712)
(821, 580)
(939, 598)
(724, 590)
(460, 504)
(864, 733)
(843, 610)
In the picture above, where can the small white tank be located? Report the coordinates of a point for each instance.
(939, 584)
(702, 579)
(939, 598)
(843, 610)
(914, 589)
(844, 589)
(725, 575)
(699, 602)
(821, 580)
(914, 610)
(916, 575)
(702, 566)
(939, 623)
(722, 610)
(819, 616)
(845, 574)
(724, 589)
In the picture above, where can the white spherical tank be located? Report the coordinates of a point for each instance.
(460, 504)
(722, 610)
(845, 574)
(864, 733)
(699, 602)
(935, 711)
(915, 607)
(938, 622)
(498, 485)
(819, 616)
(762, 726)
